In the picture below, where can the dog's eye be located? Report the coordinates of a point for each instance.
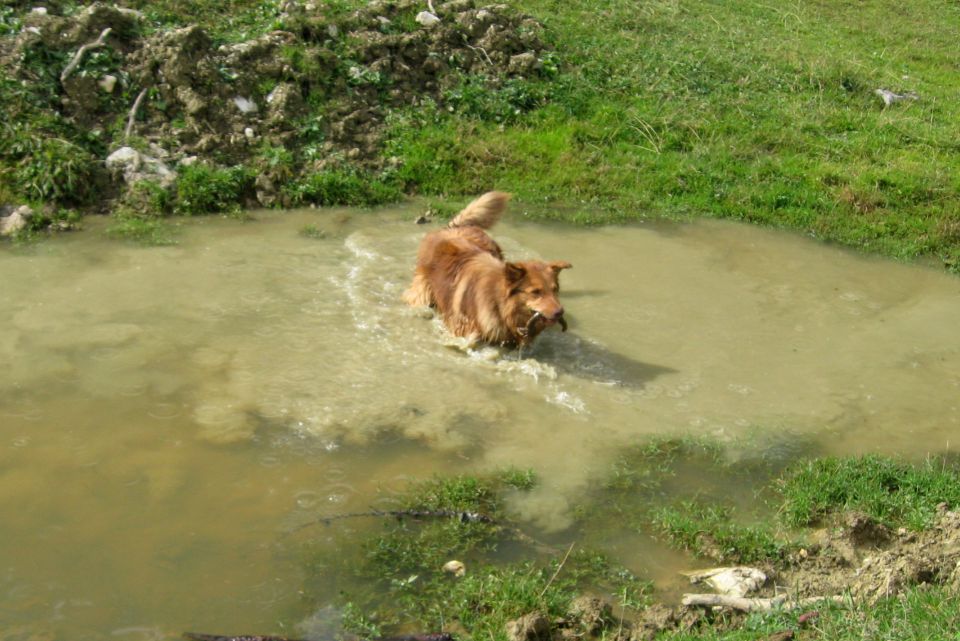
(536, 292)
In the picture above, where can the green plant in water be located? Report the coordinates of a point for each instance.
(404, 562)
(147, 231)
(312, 231)
(519, 479)
(709, 530)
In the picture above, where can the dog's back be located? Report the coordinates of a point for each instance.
(443, 253)
(461, 271)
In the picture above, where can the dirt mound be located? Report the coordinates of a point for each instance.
(868, 561)
(325, 83)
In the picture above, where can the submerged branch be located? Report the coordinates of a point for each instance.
(463, 517)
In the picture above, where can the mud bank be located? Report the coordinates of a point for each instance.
(856, 563)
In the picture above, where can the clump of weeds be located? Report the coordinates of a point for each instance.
(395, 577)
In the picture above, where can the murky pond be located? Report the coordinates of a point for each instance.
(167, 414)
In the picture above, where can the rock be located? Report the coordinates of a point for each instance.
(193, 103)
(456, 568)
(530, 627)
(523, 63)
(266, 190)
(135, 166)
(284, 103)
(427, 19)
(107, 83)
(245, 105)
(15, 220)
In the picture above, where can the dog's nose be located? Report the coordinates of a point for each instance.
(557, 314)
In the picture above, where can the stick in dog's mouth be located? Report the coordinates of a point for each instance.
(536, 316)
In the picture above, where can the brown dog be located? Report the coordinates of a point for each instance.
(461, 272)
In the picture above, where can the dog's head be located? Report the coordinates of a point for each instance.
(534, 290)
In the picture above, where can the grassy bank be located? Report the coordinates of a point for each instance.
(743, 110)
(748, 111)
(797, 523)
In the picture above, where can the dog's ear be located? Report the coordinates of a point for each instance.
(514, 272)
(557, 265)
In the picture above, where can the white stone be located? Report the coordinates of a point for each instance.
(456, 568)
(16, 221)
(124, 158)
(107, 83)
(40, 11)
(249, 133)
(427, 19)
(245, 105)
(136, 166)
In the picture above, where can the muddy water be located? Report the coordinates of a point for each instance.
(166, 414)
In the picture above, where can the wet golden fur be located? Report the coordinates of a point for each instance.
(461, 272)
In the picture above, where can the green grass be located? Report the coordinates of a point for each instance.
(890, 491)
(147, 231)
(709, 530)
(744, 110)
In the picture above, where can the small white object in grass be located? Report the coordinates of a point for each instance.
(245, 105)
(890, 97)
(427, 19)
(456, 568)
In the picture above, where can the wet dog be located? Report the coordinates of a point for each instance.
(461, 272)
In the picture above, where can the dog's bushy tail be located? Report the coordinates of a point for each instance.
(484, 212)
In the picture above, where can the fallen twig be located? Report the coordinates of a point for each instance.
(77, 57)
(481, 50)
(132, 116)
(753, 605)
(559, 567)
